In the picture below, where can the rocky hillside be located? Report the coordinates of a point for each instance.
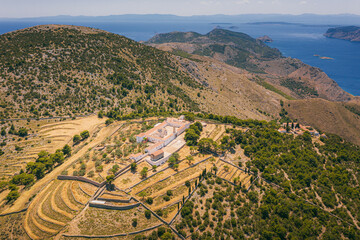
(57, 70)
(240, 50)
(331, 117)
(231, 47)
(351, 33)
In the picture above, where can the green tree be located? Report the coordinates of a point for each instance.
(191, 137)
(109, 182)
(85, 134)
(100, 114)
(23, 179)
(66, 150)
(144, 172)
(154, 167)
(176, 156)
(22, 132)
(189, 159)
(207, 145)
(57, 157)
(133, 166)
(36, 168)
(176, 167)
(148, 214)
(172, 161)
(76, 139)
(189, 117)
(134, 222)
(167, 236)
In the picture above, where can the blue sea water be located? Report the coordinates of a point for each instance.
(297, 41)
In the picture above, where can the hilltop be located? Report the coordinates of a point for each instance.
(351, 33)
(291, 76)
(60, 70)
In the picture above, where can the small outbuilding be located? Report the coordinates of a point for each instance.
(157, 155)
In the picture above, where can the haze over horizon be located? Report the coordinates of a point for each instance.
(43, 8)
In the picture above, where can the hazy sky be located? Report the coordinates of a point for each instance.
(34, 8)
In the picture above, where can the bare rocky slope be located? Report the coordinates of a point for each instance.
(289, 75)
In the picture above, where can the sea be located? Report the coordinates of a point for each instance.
(340, 59)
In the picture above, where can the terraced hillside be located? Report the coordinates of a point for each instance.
(55, 207)
(44, 135)
(248, 180)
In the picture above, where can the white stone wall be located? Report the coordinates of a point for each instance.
(138, 158)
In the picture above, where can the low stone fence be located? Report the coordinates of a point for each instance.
(114, 235)
(7, 214)
(114, 200)
(81, 179)
(113, 207)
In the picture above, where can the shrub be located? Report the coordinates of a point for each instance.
(148, 214)
(81, 172)
(18, 148)
(109, 121)
(159, 212)
(12, 196)
(99, 168)
(134, 222)
(91, 174)
(133, 166)
(149, 200)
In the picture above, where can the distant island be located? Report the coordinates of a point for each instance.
(324, 58)
(265, 39)
(351, 33)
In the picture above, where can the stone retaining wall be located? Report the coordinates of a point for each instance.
(81, 179)
(114, 200)
(113, 236)
(113, 207)
(6, 214)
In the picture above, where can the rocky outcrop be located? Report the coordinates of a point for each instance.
(351, 33)
(265, 39)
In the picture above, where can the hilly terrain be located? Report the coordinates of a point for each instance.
(171, 144)
(351, 33)
(313, 98)
(342, 119)
(56, 70)
(240, 50)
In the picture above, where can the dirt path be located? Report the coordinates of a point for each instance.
(36, 188)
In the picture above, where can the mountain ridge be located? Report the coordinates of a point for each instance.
(62, 70)
(240, 50)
